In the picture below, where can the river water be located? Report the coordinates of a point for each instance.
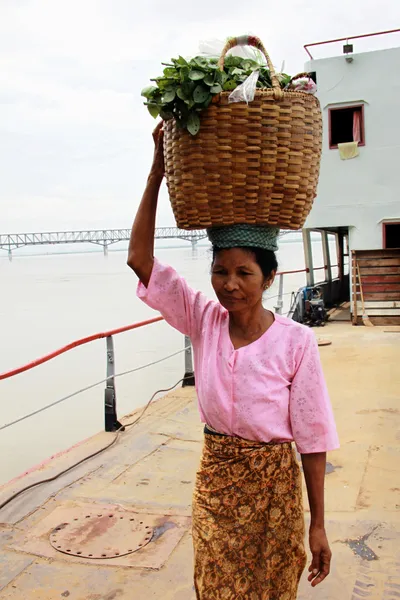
(50, 300)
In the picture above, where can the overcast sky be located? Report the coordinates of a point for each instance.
(75, 139)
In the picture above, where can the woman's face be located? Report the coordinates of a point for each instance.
(237, 279)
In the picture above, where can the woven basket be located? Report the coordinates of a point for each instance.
(254, 163)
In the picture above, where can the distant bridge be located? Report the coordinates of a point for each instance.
(101, 237)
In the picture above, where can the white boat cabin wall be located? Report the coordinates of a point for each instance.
(358, 198)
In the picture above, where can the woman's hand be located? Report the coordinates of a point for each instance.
(314, 466)
(321, 556)
(157, 167)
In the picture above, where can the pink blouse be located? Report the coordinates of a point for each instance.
(271, 390)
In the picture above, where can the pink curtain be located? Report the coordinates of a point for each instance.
(357, 126)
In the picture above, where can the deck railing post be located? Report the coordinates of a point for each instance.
(279, 303)
(308, 256)
(110, 399)
(327, 256)
(189, 373)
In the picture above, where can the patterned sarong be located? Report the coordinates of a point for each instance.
(248, 523)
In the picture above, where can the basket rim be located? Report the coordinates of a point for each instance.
(222, 97)
(270, 92)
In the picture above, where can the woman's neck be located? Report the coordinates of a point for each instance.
(250, 322)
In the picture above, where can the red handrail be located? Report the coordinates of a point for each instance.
(81, 342)
(293, 272)
(98, 336)
(346, 39)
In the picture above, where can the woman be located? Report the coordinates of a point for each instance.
(260, 387)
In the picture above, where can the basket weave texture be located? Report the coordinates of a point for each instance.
(255, 163)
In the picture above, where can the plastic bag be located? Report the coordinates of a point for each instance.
(213, 49)
(245, 92)
(304, 84)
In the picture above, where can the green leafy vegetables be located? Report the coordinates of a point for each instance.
(187, 87)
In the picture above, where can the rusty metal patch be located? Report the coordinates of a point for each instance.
(102, 535)
(168, 530)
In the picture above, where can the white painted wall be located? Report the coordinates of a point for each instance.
(360, 192)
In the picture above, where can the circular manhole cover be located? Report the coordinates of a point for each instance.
(102, 535)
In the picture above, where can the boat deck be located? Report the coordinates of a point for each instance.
(144, 483)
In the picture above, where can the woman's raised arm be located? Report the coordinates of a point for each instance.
(141, 244)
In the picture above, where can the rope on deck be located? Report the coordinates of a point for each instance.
(94, 454)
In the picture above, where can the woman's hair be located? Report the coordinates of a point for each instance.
(266, 259)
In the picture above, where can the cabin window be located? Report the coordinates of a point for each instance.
(346, 125)
(391, 235)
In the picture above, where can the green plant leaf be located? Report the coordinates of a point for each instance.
(221, 77)
(154, 110)
(230, 85)
(209, 79)
(148, 92)
(193, 123)
(168, 96)
(233, 61)
(184, 74)
(196, 75)
(201, 61)
(170, 72)
(187, 87)
(237, 71)
(180, 92)
(200, 94)
(166, 115)
(284, 79)
(216, 89)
